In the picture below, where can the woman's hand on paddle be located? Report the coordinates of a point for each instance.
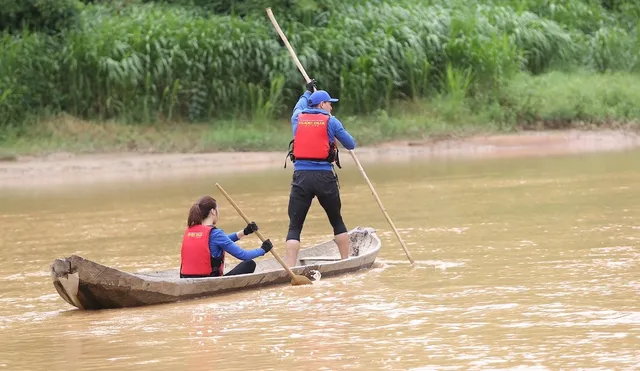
(266, 245)
(250, 228)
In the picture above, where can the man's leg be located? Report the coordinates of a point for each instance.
(299, 203)
(329, 198)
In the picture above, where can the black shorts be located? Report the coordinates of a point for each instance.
(306, 185)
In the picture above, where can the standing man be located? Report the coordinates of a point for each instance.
(313, 154)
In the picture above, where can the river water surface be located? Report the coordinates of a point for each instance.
(520, 264)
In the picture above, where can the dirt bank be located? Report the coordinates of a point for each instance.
(63, 168)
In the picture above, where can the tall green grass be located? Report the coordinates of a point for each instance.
(48, 16)
(555, 99)
(161, 62)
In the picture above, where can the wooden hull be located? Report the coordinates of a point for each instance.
(88, 285)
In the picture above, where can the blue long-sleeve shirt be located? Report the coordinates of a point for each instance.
(218, 241)
(336, 130)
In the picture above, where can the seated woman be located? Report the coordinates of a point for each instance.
(204, 245)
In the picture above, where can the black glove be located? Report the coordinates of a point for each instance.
(311, 85)
(250, 228)
(266, 245)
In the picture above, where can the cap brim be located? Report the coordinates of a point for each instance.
(333, 100)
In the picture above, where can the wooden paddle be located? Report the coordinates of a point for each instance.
(306, 77)
(296, 279)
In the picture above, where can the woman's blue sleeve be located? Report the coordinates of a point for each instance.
(221, 241)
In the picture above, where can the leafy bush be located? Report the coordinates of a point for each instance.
(144, 62)
(50, 16)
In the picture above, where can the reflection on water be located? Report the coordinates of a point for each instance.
(520, 263)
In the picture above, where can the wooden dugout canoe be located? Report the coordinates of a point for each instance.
(88, 285)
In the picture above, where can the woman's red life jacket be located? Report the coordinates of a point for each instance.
(311, 141)
(195, 255)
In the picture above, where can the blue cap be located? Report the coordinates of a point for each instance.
(320, 96)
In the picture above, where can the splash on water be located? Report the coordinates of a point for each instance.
(315, 275)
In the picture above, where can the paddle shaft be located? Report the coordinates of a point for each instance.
(384, 211)
(286, 42)
(235, 206)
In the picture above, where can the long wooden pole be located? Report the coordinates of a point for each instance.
(384, 211)
(286, 42)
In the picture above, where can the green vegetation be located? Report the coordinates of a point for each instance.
(207, 75)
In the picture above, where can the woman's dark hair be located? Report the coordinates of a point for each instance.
(200, 210)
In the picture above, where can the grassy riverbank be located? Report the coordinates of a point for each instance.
(553, 100)
(196, 75)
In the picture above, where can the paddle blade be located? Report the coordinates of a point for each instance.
(298, 280)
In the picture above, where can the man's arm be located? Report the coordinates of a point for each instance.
(338, 131)
(302, 104)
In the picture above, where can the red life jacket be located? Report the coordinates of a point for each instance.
(195, 256)
(311, 141)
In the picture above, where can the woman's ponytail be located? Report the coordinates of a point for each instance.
(195, 216)
(201, 209)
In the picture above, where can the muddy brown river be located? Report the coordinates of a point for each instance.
(521, 263)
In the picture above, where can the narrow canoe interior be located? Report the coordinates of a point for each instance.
(361, 242)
